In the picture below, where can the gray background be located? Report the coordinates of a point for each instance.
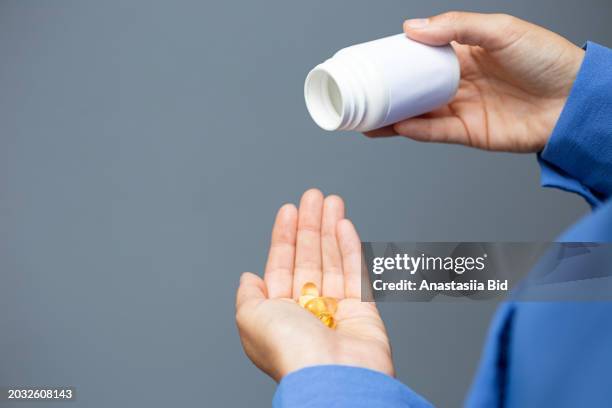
(144, 148)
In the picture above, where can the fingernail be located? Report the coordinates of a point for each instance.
(417, 22)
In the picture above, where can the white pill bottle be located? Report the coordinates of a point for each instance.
(377, 83)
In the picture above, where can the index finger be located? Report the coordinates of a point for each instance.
(279, 268)
(386, 131)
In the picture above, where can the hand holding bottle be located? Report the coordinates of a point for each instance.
(515, 79)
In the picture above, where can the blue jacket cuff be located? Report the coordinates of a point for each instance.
(551, 176)
(578, 155)
(343, 386)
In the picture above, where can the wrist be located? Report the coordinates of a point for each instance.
(554, 106)
(308, 357)
(337, 356)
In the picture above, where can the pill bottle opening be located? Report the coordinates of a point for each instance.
(323, 99)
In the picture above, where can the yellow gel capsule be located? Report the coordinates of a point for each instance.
(316, 306)
(302, 300)
(328, 320)
(309, 289)
(331, 304)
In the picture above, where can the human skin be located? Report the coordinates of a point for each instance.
(515, 79)
(314, 243)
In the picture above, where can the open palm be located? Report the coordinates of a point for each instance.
(313, 244)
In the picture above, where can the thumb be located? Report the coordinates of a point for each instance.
(489, 31)
(252, 287)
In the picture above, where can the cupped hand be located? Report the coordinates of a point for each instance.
(515, 79)
(313, 244)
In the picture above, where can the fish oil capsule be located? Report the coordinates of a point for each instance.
(328, 320)
(331, 304)
(309, 289)
(316, 306)
(323, 308)
(302, 300)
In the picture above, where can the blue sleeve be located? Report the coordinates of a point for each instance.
(335, 386)
(578, 155)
